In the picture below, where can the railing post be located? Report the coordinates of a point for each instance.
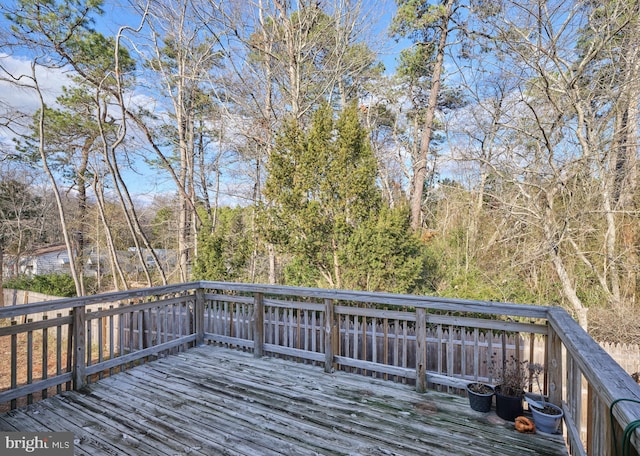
(554, 367)
(421, 350)
(199, 316)
(600, 440)
(258, 325)
(330, 335)
(79, 350)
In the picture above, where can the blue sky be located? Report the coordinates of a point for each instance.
(145, 182)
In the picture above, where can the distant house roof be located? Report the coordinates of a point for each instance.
(48, 249)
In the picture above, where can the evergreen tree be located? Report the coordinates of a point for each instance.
(224, 253)
(327, 213)
(385, 255)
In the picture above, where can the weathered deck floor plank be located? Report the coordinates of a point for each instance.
(215, 401)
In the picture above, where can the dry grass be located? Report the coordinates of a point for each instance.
(22, 365)
(620, 326)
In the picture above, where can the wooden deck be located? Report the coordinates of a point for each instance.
(210, 401)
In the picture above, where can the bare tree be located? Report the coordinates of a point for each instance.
(566, 147)
(430, 26)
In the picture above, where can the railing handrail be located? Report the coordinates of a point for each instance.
(83, 301)
(604, 375)
(427, 302)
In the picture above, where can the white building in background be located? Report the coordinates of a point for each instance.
(54, 259)
(47, 260)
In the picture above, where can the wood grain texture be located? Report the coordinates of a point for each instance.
(211, 400)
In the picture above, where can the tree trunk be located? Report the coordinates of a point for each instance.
(420, 165)
(116, 269)
(82, 207)
(568, 289)
(45, 165)
(1, 275)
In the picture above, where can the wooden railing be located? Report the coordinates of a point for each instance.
(424, 341)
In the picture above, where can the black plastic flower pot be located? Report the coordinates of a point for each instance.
(480, 396)
(508, 407)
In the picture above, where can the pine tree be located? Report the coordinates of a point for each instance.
(321, 186)
(327, 213)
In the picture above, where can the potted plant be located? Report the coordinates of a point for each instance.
(546, 416)
(480, 396)
(512, 378)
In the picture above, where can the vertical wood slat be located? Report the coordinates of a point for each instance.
(199, 316)
(284, 340)
(180, 310)
(374, 340)
(322, 318)
(89, 323)
(405, 344)
(421, 350)
(385, 344)
(258, 325)
(101, 329)
(290, 325)
(14, 363)
(599, 438)
(314, 330)
(140, 326)
(335, 334)
(298, 329)
(70, 350)
(578, 402)
(476, 354)
(346, 345)
(450, 354)
(165, 324)
(146, 327)
(79, 347)
(439, 343)
(329, 334)
(554, 367)
(307, 336)
(365, 341)
(121, 338)
(238, 320)
(29, 361)
(112, 348)
(59, 353)
(271, 326)
(356, 338)
(44, 369)
(278, 314)
(463, 352)
(131, 333)
(396, 345)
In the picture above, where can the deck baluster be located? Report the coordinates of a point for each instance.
(79, 351)
(258, 325)
(421, 350)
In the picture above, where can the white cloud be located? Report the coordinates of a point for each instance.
(17, 88)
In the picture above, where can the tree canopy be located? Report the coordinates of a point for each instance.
(476, 149)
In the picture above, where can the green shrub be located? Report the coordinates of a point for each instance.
(50, 284)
